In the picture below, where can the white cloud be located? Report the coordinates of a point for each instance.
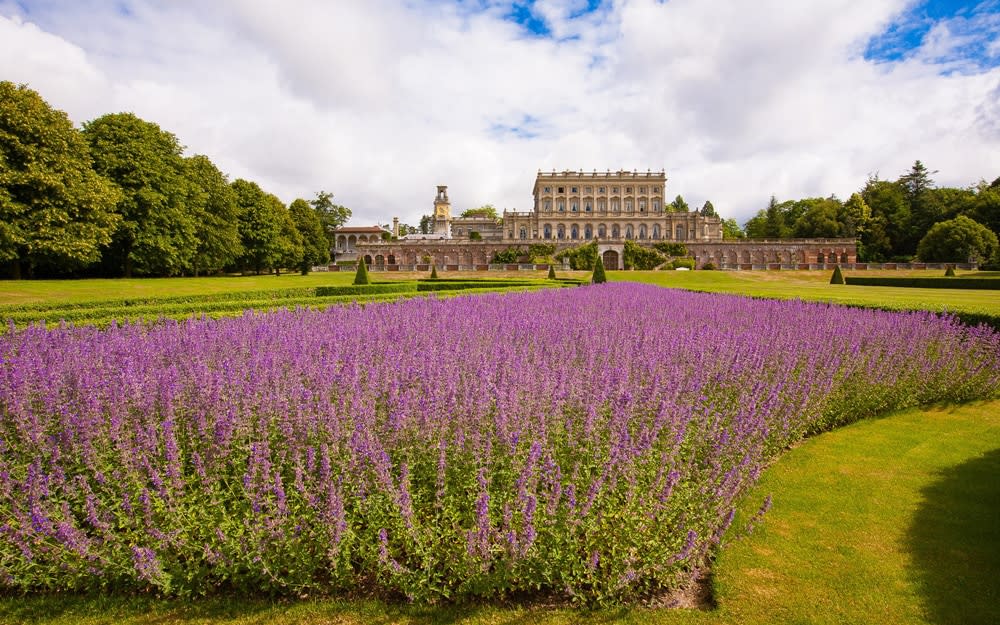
(379, 101)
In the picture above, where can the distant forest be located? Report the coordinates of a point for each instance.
(891, 218)
(117, 198)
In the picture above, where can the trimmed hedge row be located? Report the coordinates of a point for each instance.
(926, 283)
(126, 302)
(366, 289)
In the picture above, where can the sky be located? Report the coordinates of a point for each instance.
(379, 101)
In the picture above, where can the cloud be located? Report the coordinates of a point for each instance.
(378, 101)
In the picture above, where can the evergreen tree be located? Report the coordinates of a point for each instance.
(361, 277)
(434, 272)
(552, 272)
(838, 277)
(679, 205)
(599, 276)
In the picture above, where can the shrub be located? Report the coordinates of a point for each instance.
(639, 257)
(599, 276)
(582, 258)
(677, 263)
(361, 277)
(709, 266)
(671, 249)
(949, 272)
(837, 277)
(508, 256)
(475, 236)
(938, 282)
(552, 272)
(434, 272)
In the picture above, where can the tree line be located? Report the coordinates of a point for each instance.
(895, 220)
(118, 198)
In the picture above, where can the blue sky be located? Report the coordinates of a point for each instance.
(379, 101)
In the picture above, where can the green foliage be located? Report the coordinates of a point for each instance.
(958, 240)
(709, 266)
(837, 277)
(731, 230)
(361, 277)
(949, 272)
(679, 205)
(552, 272)
(538, 252)
(642, 258)
(580, 258)
(157, 235)
(475, 236)
(212, 204)
(671, 249)
(708, 210)
(434, 272)
(315, 244)
(486, 210)
(599, 276)
(364, 289)
(55, 210)
(937, 282)
(425, 224)
(686, 263)
(265, 226)
(508, 256)
(331, 216)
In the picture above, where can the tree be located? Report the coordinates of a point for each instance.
(315, 245)
(264, 226)
(890, 223)
(425, 224)
(361, 276)
(819, 220)
(917, 181)
(732, 230)
(552, 272)
(599, 276)
(855, 214)
(837, 277)
(212, 204)
(708, 210)
(486, 210)
(55, 210)
(679, 205)
(958, 240)
(156, 234)
(331, 216)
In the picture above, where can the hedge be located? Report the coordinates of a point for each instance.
(366, 289)
(939, 282)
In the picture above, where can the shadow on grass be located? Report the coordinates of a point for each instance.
(954, 543)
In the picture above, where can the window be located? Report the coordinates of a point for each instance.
(548, 231)
(600, 189)
(548, 189)
(628, 231)
(656, 231)
(642, 231)
(642, 206)
(602, 231)
(656, 190)
(628, 206)
(642, 189)
(548, 205)
(588, 189)
(614, 189)
(615, 233)
(614, 205)
(587, 207)
(656, 206)
(572, 189)
(562, 206)
(628, 189)
(574, 207)
(574, 232)
(523, 232)
(588, 232)
(562, 190)
(602, 205)
(561, 232)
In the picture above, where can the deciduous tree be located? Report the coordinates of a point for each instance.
(331, 216)
(56, 212)
(315, 245)
(157, 234)
(211, 202)
(958, 240)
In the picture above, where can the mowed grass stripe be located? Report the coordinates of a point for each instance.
(893, 520)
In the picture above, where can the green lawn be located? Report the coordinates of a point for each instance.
(815, 285)
(894, 520)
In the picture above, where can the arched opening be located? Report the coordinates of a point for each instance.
(628, 231)
(656, 231)
(574, 232)
(560, 232)
(351, 242)
(642, 231)
(588, 232)
(368, 259)
(548, 231)
(820, 258)
(680, 233)
(610, 259)
(379, 259)
(843, 257)
(615, 232)
(341, 242)
(602, 231)
(392, 259)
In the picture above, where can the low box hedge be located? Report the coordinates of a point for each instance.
(366, 289)
(926, 283)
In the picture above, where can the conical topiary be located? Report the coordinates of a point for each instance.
(599, 275)
(949, 272)
(837, 278)
(361, 277)
(552, 272)
(434, 272)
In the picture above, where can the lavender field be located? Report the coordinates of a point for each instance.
(588, 444)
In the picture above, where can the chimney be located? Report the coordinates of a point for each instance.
(395, 227)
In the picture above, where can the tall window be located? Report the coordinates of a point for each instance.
(614, 205)
(587, 206)
(628, 206)
(602, 231)
(574, 232)
(588, 232)
(561, 206)
(642, 206)
(574, 206)
(561, 231)
(523, 232)
(615, 232)
(628, 231)
(656, 231)
(547, 231)
(602, 205)
(656, 206)
(642, 231)
(548, 206)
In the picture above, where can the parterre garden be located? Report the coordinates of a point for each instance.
(585, 446)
